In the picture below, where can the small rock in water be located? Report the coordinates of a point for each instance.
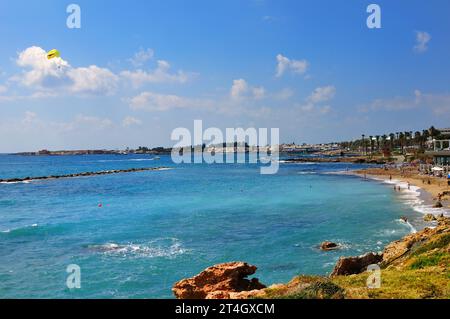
(328, 245)
(429, 218)
(437, 205)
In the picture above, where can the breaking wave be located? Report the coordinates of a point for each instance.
(162, 247)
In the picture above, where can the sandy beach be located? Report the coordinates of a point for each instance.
(436, 187)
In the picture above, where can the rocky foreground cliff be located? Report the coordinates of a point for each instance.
(417, 266)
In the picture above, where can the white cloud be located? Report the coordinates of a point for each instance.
(160, 75)
(319, 95)
(322, 94)
(259, 92)
(3, 89)
(151, 101)
(422, 39)
(92, 80)
(439, 104)
(396, 103)
(46, 75)
(92, 121)
(141, 57)
(130, 120)
(41, 72)
(296, 66)
(325, 109)
(241, 89)
(284, 94)
(32, 96)
(29, 118)
(269, 18)
(56, 76)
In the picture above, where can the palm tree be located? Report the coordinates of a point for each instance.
(378, 142)
(433, 132)
(371, 144)
(364, 144)
(392, 137)
(384, 139)
(418, 138)
(406, 138)
(401, 139)
(425, 135)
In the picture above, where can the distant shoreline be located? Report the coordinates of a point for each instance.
(89, 152)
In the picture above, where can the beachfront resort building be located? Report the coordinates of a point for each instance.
(441, 148)
(441, 152)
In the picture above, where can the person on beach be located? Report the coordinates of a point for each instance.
(390, 177)
(409, 185)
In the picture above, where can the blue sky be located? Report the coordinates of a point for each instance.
(136, 70)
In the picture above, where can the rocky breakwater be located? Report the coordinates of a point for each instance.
(84, 174)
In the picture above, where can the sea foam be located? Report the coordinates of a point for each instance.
(413, 198)
(162, 247)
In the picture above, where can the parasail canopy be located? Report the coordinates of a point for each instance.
(53, 54)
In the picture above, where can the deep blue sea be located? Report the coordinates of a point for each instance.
(135, 234)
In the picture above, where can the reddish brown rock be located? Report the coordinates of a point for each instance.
(328, 245)
(355, 265)
(218, 282)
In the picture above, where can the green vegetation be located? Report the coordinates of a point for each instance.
(322, 289)
(427, 261)
(439, 242)
(429, 282)
(394, 143)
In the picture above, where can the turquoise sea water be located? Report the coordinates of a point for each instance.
(156, 227)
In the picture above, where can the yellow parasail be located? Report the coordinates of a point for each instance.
(53, 54)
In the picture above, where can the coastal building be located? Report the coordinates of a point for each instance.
(444, 131)
(441, 158)
(441, 152)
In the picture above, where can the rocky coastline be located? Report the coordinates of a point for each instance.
(416, 266)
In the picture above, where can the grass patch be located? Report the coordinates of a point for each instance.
(318, 290)
(439, 242)
(430, 282)
(427, 261)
